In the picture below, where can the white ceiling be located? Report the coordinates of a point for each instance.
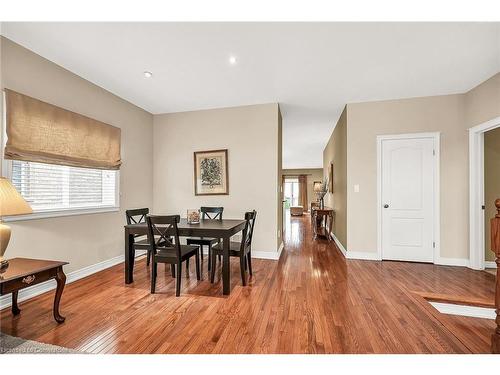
(311, 69)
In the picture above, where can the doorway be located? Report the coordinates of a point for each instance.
(408, 176)
(477, 203)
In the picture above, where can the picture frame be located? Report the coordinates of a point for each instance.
(211, 172)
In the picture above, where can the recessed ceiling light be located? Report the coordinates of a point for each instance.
(148, 74)
(232, 60)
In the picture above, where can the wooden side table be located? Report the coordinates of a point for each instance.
(322, 221)
(24, 272)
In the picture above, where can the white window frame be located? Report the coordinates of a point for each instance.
(7, 171)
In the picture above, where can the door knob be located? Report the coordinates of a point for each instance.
(386, 206)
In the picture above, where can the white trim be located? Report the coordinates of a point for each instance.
(30, 292)
(60, 213)
(339, 244)
(459, 262)
(490, 264)
(464, 310)
(436, 136)
(476, 192)
(363, 255)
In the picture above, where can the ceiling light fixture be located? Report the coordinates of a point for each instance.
(148, 74)
(232, 60)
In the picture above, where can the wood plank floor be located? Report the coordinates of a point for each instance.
(312, 301)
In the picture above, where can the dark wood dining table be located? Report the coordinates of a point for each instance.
(223, 229)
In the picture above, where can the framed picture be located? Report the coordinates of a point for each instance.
(211, 173)
(330, 178)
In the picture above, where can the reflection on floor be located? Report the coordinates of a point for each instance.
(312, 300)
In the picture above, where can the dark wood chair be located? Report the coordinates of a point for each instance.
(137, 216)
(163, 250)
(214, 213)
(242, 250)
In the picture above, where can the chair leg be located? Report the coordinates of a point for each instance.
(198, 273)
(187, 266)
(209, 256)
(148, 257)
(153, 276)
(178, 281)
(242, 270)
(172, 270)
(249, 259)
(212, 271)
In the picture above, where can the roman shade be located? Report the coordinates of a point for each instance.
(41, 132)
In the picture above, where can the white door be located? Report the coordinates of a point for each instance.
(408, 172)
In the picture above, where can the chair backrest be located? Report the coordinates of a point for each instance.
(137, 215)
(160, 228)
(211, 212)
(246, 239)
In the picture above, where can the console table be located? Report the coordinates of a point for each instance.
(24, 272)
(322, 221)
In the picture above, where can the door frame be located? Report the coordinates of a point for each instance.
(436, 137)
(476, 192)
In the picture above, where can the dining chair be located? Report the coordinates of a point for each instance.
(214, 213)
(163, 250)
(137, 216)
(242, 250)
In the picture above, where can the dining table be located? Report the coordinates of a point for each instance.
(223, 229)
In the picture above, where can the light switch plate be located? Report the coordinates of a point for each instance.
(356, 188)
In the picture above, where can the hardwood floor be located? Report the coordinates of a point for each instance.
(312, 301)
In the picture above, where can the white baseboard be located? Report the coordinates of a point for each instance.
(35, 290)
(464, 310)
(362, 255)
(490, 264)
(339, 245)
(459, 262)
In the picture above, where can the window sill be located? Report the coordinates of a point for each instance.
(60, 213)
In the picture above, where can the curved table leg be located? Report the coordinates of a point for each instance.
(61, 281)
(15, 307)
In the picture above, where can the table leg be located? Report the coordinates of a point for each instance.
(15, 307)
(61, 281)
(226, 277)
(129, 257)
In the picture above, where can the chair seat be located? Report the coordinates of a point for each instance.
(169, 253)
(234, 249)
(201, 240)
(144, 244)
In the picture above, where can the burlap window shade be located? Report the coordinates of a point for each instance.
(41, 132)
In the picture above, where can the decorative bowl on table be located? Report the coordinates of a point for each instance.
(193, 216)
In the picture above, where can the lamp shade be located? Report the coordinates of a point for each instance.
(11, 202)
(317, 186)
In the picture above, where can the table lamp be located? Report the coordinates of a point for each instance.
(11, 203)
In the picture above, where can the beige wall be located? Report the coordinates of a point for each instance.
(315, 174)
(451, 115)
(429, 114)
(491, 183)
(251, 135)
(336, 152)
(82, 240)
(482, 103)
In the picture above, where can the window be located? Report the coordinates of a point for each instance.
(291, 192)
(51, 188)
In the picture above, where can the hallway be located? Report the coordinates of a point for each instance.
(312, 300)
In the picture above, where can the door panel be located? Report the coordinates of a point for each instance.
(408, 199)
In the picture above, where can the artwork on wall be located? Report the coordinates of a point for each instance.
(211, 173)
(330, 178)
